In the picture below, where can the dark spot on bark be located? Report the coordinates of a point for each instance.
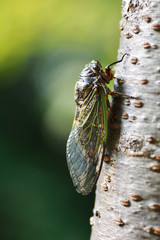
(97, 213)
(146, 45)
(125, 115)
(136, 197)
(147, 19)
(138, 104)
(136, 30)
(128, 35)
(155, 207)
(119, 222)
(156, 27)
(134, 60)
(155, 168)
(154, 46)
(125, 202)
(144, 81)
(104, 187)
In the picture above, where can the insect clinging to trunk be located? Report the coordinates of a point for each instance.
(86, 142)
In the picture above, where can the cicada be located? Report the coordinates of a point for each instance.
(86, 142)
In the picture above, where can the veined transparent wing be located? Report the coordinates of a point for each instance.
(85, 145)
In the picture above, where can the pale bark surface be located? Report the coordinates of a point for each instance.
(127, 205)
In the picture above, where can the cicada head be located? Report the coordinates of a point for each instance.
(96, 66)
(109, 72)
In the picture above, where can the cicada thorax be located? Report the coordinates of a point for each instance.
(84, 84)
(91, 80)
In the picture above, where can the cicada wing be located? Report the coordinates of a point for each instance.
(85, 147)
(84, 172)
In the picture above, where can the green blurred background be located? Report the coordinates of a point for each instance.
(44, 46)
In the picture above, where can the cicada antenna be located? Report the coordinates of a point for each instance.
(117, 61)
(109, 72)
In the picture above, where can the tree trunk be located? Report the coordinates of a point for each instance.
(127, 204)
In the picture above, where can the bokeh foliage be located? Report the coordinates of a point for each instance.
(44, 46)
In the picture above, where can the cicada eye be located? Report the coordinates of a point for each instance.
(95, 65)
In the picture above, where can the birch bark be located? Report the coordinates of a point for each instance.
(127, 204)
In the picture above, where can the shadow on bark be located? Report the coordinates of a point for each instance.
(114, 123)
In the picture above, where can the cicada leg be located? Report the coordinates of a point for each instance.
(114, 93)
(109, 107)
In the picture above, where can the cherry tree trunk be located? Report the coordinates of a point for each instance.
(127, 204)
